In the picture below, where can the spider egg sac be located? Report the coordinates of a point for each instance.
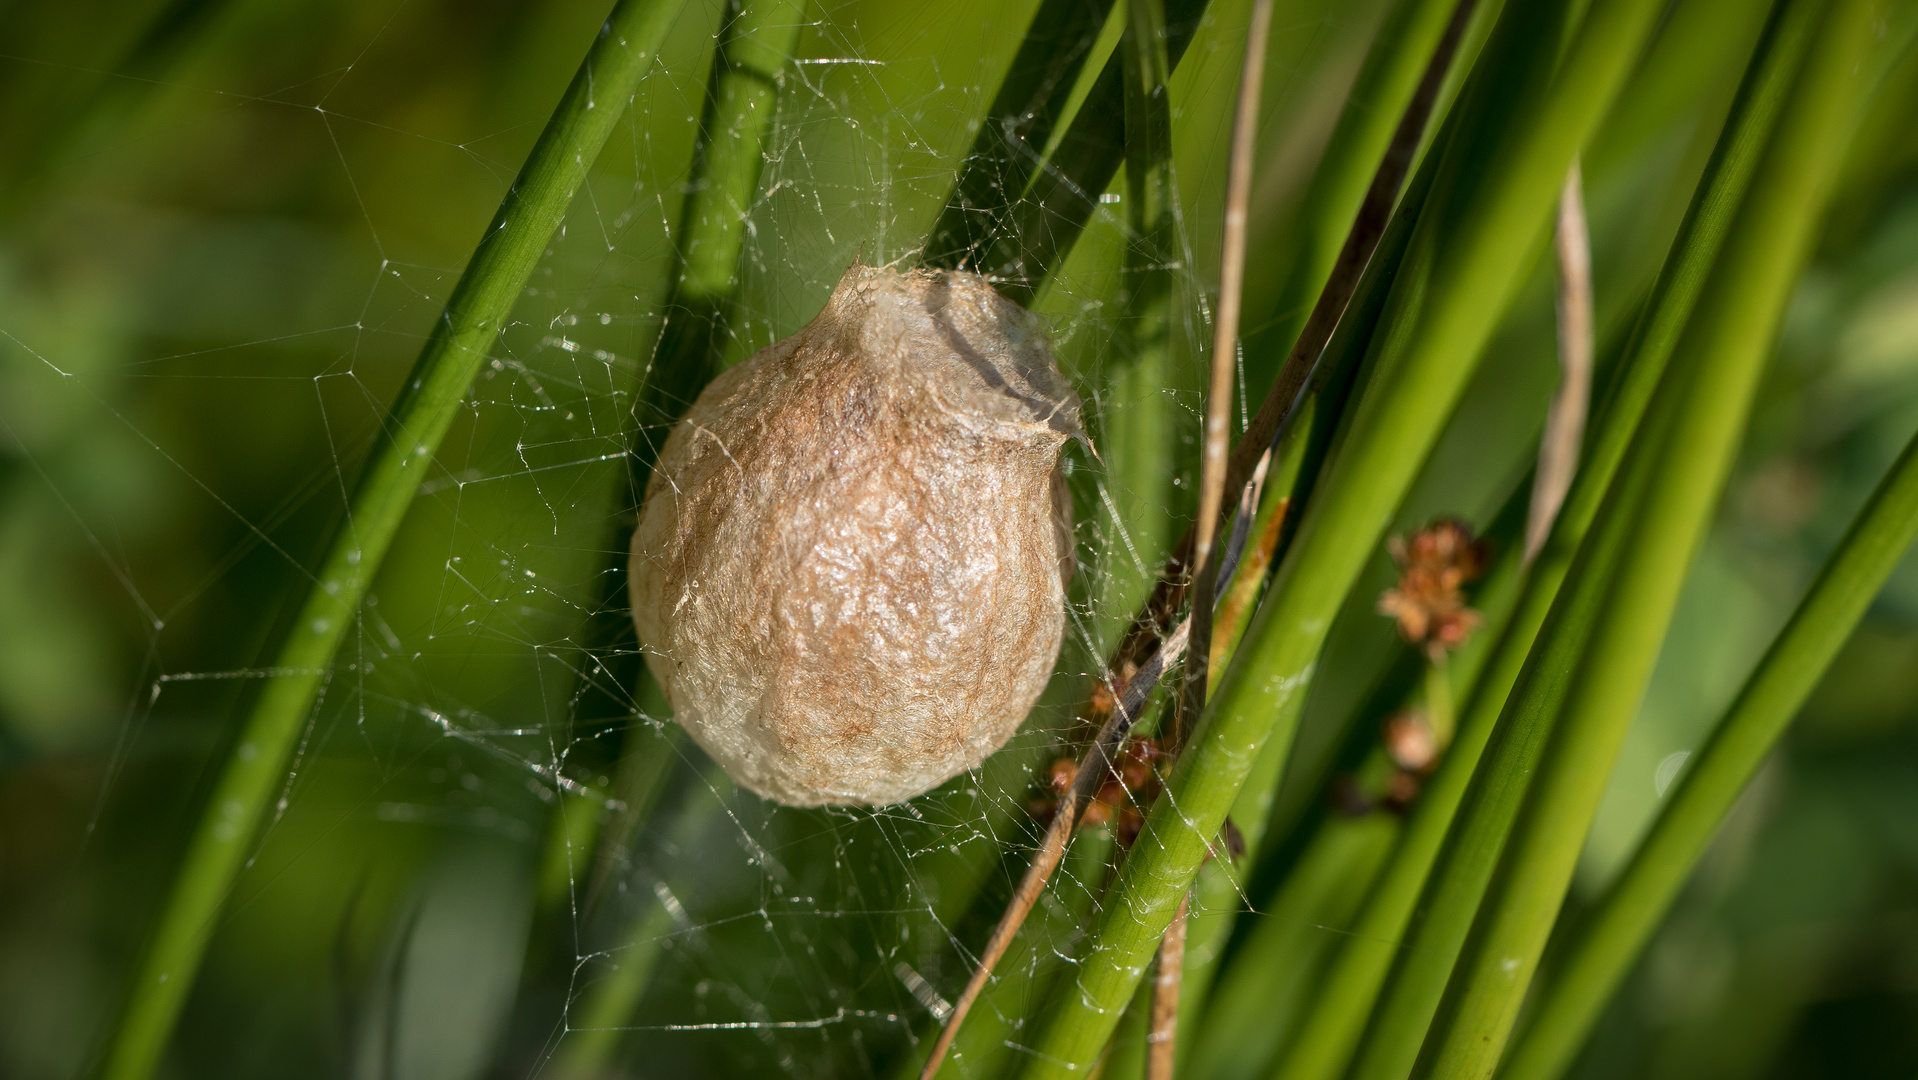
(849, 571)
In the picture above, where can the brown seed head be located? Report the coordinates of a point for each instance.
(849, 569)
(1410, 741)
(1434, 566)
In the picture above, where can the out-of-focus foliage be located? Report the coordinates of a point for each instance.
(227, 225)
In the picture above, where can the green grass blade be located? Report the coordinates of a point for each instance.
(1726, 345)
(1302, 450)
(1330, 1037)
(1259, 1000)
(1633, 907)
(480, 305)
(1393, 67)
(741, 104)
(1016, 129)
(606, 1009)
(1048, 219)
(1136, 416)
(1497, 185)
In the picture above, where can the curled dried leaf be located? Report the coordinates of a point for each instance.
(849, 569)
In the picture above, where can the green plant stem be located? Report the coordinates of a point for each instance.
(1136, 415)
(1344, 367)
(1497, 187)
(1031, 969)
(1615, 934)
(1394, 66)
(1726, 344)
(1331, 1035)
(1049, 217)
(646, 762)
(741, 106)
(1258, 1002)
(1126, 1058)
(606, 1008)
(569, 842)
(1016, 129)
(1373, 253)
(475, 314)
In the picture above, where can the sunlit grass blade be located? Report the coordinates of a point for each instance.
(1398, 69)
(1014, 132)
(1616, 932)
(1216, 437)
(1136, 416)
(741, 107)
(1258, 1002)
(1270, 949)
(1725, 347)
(742, 99)
(1501, 701)
(1498, 181)
(475, 313)
(1289, 437)
(1048, 218)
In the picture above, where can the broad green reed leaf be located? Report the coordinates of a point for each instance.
(742, 101)
(1050, 216)
(1016, 129)
(1497, 184)
(1393, 67)
(1613, 935)
(1328, 1040)
(1725, 346)
(480, 304)
(1137, 422)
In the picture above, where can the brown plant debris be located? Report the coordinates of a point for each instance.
(1128, 788)
(1428, 602)
(849, 571)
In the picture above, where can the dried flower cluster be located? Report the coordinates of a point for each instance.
(1428, 602)
(849, 571)
(1120, 800)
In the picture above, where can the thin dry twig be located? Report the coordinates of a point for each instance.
(1162, 1040)
(1565, 419)
(1225, 353)
(1212, 487)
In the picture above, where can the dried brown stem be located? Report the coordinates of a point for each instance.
(1565, 419)
(1225, 353)
(1162, 1039)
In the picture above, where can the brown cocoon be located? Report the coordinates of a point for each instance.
(849, 572)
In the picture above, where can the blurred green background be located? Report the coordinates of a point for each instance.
(225, 228)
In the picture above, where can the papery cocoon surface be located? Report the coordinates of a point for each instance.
(849, 572)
